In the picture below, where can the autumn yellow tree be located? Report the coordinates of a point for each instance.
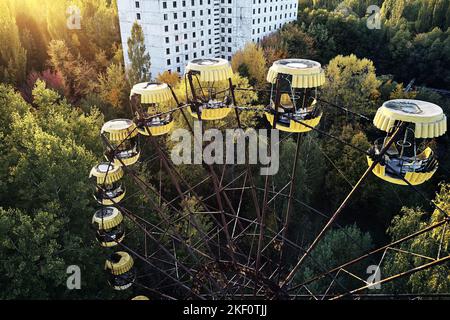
(273, 48)
(251, 63)
(399, 93)
(79, 75)
(171, 78)
(112, 85)
(352, 82)
(12, 55)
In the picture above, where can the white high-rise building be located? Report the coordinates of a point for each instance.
(177, 31)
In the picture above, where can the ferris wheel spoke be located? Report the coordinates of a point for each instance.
(290, 198)
(397, 276)
(341, 207)
(190, 249)
(154, 266)
(144, 186)
(179, 240)
(376, 251)
(249, 173)
(178, 188)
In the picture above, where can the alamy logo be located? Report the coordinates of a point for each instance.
(374, 19)
(74, 280)
(233, 148)
(74, 19)
(374, 279)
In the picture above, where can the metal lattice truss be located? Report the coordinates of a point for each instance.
(240, 254)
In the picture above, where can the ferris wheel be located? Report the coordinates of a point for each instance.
(205, 246)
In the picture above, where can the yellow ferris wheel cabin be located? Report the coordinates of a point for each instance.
(108, 187)
(150, 118)
(298, 80)
(409, 160)
(108, 223)
(122, 136)
(210, 88)
(120, 270)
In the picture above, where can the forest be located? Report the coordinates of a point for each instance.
(58, 87)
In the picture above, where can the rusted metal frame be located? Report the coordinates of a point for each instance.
(342, 206)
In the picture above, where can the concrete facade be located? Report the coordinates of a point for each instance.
(177, 31)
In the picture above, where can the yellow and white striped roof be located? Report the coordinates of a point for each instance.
(106, 173)
(305, 73)
(152, 92)
(122, 265)
(120, 129)
(429, 119)
(210, 69)
(107, 218)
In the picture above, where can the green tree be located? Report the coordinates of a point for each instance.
(337, 247)
(310, 171)
(100, 27)
(439, 11)
(308, 184)
(325, 42)
(33, 37)
(139, 69)
(430, 49)
(447, 21)
(297, 42)
(30, 262)
(392, 10)
(46, 155)
(435, 280)
(423, 23)
(98, 21)
(400, 44)
(345, 164)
